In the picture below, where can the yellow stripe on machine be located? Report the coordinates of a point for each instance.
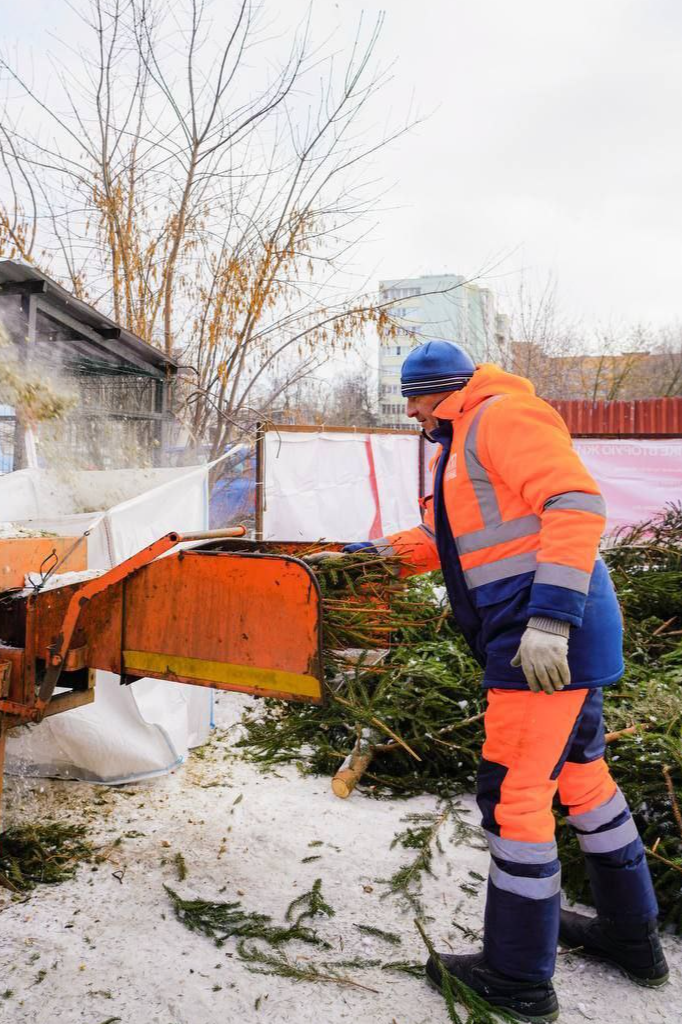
(219, 672)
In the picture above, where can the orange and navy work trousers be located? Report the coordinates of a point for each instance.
(535, 745)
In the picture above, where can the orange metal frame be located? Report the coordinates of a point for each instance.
(234, 620)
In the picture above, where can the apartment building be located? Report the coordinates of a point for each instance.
(434, 307)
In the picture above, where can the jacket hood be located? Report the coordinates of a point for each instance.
(488, 380)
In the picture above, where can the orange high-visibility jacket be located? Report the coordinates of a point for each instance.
(515, 523)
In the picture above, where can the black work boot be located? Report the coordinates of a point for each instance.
(634, 947)
(525, 1000)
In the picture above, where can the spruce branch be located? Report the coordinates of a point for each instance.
(377, 933)
(311, 904)
(259, 962)
(221, 921)
(46, 853)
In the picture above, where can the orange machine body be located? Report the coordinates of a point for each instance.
(230, 619)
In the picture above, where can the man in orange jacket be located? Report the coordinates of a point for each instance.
(514, 522)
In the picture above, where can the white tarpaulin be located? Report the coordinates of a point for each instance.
(129, 732)
(396, 460)
(337, 485)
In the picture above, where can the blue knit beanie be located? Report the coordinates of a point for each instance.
(435, 366)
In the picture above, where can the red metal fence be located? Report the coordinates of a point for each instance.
(646, 417)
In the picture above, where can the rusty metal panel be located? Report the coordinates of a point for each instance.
(648, 417)
(238, 622)
(14, 656)
(100, 619)
(5, 678)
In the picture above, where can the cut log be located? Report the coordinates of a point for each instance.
(612, 737)
(350, 773)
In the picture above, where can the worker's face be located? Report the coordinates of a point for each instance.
(421, 408)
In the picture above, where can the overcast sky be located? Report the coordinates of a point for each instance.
(556, 137)
(553, 139)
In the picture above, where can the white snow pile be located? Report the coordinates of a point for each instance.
(34, 580)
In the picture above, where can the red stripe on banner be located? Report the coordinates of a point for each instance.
(376, 530)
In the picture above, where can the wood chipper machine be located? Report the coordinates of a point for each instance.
(219, 614)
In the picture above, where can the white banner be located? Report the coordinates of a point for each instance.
(339, 486)
(637, 477)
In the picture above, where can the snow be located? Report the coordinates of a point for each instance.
(60, 579)
(11, 531)
(112, 948)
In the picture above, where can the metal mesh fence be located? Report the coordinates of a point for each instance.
(7, 431)
(116, 422)
(120, 395)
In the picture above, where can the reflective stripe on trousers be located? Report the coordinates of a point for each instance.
(606, 828)
(615, 859)
(540, 876)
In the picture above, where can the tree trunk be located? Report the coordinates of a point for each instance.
(350, 773)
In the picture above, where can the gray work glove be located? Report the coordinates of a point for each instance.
(365, 546)
(543, 654)
(322, 556)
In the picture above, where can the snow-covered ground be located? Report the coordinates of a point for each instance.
(106, 946)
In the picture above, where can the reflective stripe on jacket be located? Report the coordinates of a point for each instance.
(518, 530)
